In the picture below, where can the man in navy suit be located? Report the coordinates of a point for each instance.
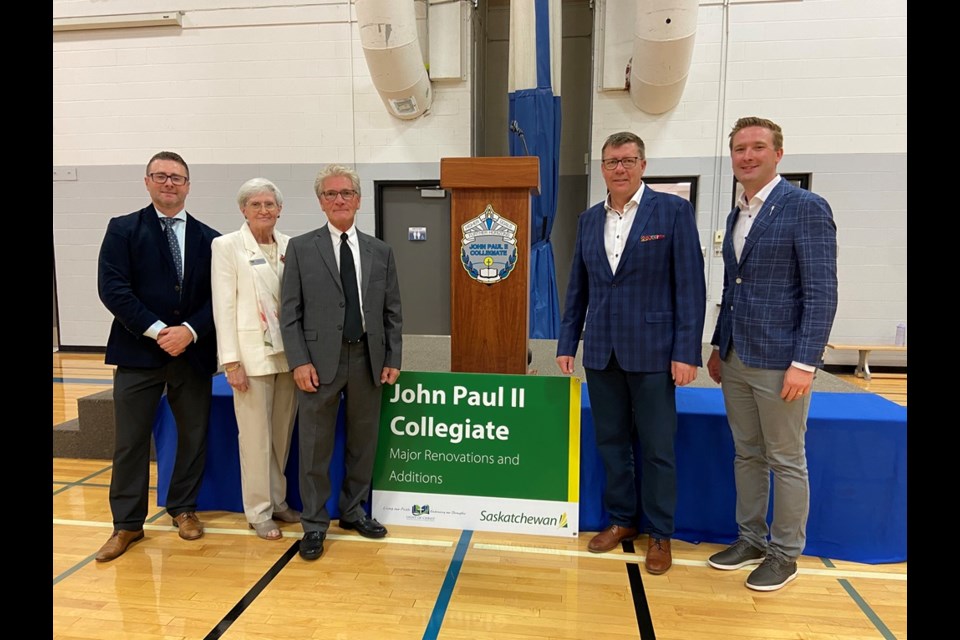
(637, 294)
(779, 300)
(154, 277)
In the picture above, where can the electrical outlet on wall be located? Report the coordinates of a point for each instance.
(64, 174)
(718, 243)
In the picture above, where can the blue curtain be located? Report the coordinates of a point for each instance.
(537, 112)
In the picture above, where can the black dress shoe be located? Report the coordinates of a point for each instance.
(311, 546)
(367, 527)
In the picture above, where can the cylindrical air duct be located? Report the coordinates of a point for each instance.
(388, 35)
(662, 50)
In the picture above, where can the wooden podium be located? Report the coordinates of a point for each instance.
(490, 261)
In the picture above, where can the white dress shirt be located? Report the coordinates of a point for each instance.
(617, 225)
(749, 211)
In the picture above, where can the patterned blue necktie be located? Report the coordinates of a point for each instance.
(174, 245)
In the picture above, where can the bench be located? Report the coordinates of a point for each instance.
(863, 367)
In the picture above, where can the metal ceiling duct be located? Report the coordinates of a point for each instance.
(662, 50)
(388, 35)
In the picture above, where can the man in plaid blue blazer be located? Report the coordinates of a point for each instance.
(637, 296)
(779, 301)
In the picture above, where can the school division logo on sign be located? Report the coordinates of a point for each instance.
(489, 251)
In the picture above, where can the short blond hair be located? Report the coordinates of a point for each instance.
(754, 121)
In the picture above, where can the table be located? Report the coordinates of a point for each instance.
(856, 453)
(856, 459)
(863, 367)
(220, 488)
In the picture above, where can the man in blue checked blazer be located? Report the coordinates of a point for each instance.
(779, 300)
(637, 296)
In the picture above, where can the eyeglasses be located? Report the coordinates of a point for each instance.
(346, 194)
(161, 178)
(611, 163)
(257, 206)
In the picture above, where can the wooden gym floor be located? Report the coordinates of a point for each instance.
(418, 582)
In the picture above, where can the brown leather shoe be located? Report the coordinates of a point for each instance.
(117, 544)
(659, 558)
(189, 525)
(610, 537)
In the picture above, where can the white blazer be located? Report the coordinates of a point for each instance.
(237, 260)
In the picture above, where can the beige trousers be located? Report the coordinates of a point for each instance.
(265, 415)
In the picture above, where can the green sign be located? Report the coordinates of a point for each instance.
(445, 437)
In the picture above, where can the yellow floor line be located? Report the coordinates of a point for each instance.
(626, 557)
(251, 532)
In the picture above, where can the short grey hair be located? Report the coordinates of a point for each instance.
(333, 171)
(625, 137)
(256, 186)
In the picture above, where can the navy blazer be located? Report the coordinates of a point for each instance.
(651, 311)
(780, 299)
(137, 282)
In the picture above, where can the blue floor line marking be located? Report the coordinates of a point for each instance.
(828, 562)
(103, 381)
(449, 582)
(873, 617)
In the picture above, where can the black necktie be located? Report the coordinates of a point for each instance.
(352, 324)
(174, 245)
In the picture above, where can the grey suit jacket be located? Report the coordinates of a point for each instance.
(313, 305)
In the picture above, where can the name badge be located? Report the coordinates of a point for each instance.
(255, 261)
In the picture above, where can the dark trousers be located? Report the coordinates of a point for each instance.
(318, 425)
(136, 395)
(623, 404)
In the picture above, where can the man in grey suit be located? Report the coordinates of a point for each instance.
(779, 301)
(341, 325)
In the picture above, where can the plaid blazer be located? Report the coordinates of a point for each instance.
(651, 311)
(780, 299)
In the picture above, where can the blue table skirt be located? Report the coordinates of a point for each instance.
(856, 458)
(856, 453)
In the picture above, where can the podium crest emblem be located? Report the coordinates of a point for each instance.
(488, 250)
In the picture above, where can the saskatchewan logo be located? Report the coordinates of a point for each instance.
(523, 518)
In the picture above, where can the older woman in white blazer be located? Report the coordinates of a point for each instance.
(246, 273)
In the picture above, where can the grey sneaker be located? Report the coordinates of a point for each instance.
(772, 574)
(739, 554)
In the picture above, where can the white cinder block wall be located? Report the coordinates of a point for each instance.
(277, 91)
(281, 89)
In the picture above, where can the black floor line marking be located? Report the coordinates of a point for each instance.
(75, 483)
(157, 515)
(255, 591)
(644, 622)
(867, 611)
